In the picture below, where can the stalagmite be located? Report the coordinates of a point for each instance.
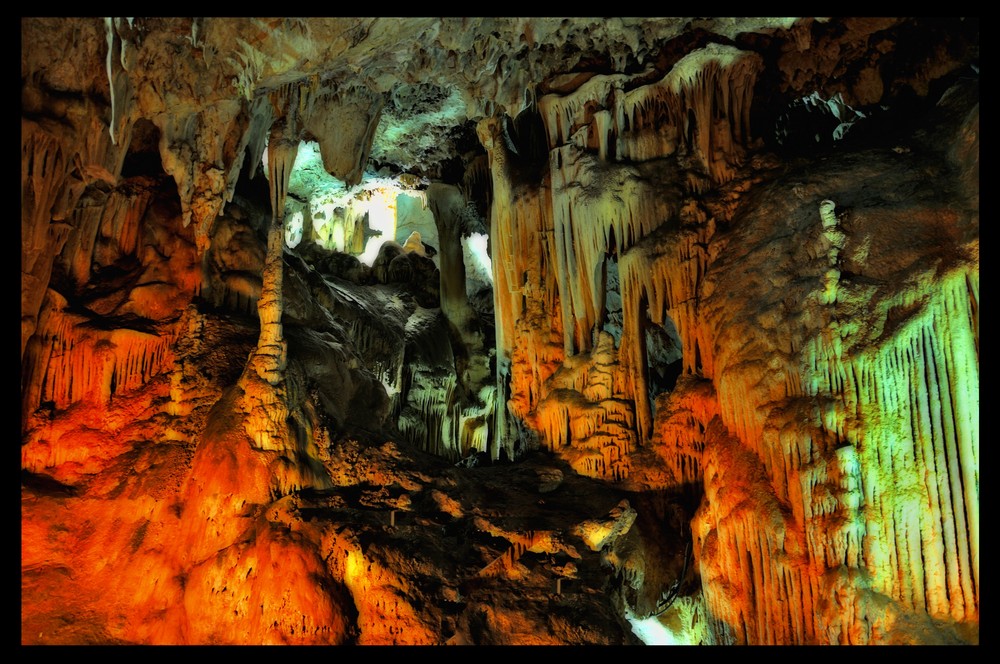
(271, 349)
(265, 395)
(835, 238)
(448, 207)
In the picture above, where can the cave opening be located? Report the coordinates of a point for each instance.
(612, 309)
(143, 155)
(662, 354)
(656, 596)
(812, 122)
(527, 143)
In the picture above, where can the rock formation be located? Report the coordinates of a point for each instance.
(499, 331)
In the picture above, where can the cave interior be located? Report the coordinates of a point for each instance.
(499, 331)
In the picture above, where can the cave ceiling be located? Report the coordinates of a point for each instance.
(435, 77)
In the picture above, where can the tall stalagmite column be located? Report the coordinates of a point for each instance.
(500, 223)
(474, 406)
(448, 204)
(265, 399)
(269, 359)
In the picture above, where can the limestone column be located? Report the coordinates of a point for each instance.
(448, 204)
(501, 223)
(270, 358)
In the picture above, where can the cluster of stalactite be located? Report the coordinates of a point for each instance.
(660, 279)
(432, 421)
(700, 108)
(836, 482)
(598, 208)
(58, 163)
(520, 299)
(433, 417)
(204, 146)
(342, 229)
(116, 344)
(71, 360)
(612, 192)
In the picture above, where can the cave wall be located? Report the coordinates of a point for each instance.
(828, 318)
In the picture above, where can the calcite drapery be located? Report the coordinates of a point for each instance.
(60, 157)
(608, 190)
(841, 479)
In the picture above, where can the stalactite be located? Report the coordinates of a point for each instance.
(71, 361)
(104, 231)
(113, 63)
(651, 121)
(598, 207)
(344, 124)
(44, 168)
(666, 275)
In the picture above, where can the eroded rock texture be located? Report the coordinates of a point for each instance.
(499, 331)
